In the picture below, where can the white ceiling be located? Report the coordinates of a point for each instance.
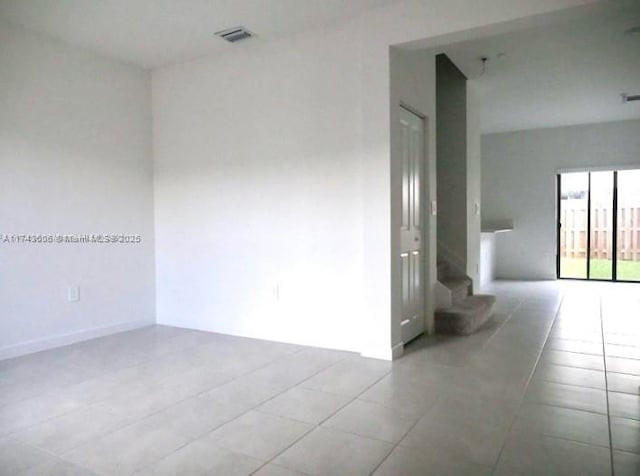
(153, 33)
(569, 72)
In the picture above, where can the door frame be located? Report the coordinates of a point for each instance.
(614, 240)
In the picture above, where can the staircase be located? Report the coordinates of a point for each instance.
(459, 311)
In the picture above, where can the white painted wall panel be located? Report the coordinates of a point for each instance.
(519, 182)
(258, 192)
(75, 157)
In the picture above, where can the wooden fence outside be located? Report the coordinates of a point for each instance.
(573, 234)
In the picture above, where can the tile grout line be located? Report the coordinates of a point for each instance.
(254, 408)
(606, 386)
(198, 395)
(557, 405)
(394, 446)
(317, 425)
(52, 392)
(138, 420)
(588, 368)
(547, 333)
(50, 453)
(64, 455)
(495, 466)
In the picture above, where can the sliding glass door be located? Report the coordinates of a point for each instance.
(574, 229)
(628, 224)
(601, 222)
(599, 225)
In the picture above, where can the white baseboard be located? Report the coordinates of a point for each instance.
(384, 353)
(60, 340)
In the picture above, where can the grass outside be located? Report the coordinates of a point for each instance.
(600, 269)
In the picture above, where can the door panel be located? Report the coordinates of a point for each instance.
(417, 140)
(405, 269)
(599, 225)
(628, 236)
(412, 155)
(416, 262)
(574, 192)
(601, 221)
(406, 178)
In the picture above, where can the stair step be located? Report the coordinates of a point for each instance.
(460, 289)
(466, 316)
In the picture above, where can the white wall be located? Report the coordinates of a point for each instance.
(273, 169)
(258, 192)
(413, 83)
(451, 111)
(488, 259)
(474, 185)
(519, 182)
(75, 157)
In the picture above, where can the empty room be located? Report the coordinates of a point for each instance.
(319, 237)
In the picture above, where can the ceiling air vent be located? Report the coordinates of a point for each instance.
(233, 35)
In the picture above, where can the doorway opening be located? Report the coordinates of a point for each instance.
(599, 225)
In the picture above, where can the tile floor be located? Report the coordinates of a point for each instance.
(550, 387)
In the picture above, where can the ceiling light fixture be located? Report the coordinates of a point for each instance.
(484, 60)
(235, 34)
(635, 31)
(629, 97)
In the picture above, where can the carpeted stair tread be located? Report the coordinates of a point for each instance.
(472, 303)
(464, 317)
(460, 289)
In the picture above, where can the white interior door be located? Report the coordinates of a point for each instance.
(411, 236)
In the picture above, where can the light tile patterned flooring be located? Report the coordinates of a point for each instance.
(550, 387)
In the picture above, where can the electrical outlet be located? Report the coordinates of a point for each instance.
(434, 207)
(73, 293)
